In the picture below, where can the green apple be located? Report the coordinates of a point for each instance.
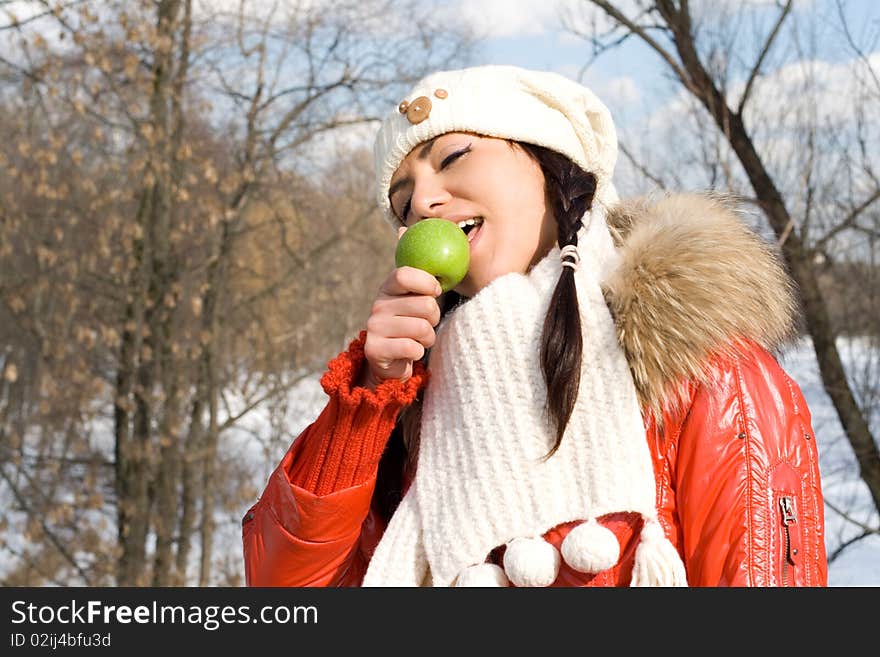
(437, 246)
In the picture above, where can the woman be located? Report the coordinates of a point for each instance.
(601, 406)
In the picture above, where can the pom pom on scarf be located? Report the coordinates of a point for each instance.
(531, 562)
(482, 575)
(591, 548)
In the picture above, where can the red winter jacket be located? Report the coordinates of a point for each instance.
(738, 487)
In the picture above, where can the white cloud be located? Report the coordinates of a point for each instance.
(253, 7)
(620, 92)
(830, 92)
(509, 18)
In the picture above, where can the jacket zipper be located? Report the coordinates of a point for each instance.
(792, 544)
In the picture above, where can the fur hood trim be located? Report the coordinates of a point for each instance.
(694, 282)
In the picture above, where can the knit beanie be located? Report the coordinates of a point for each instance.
(536, 107)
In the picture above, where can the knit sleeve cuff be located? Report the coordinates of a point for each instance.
(342, 372)
(345, 444)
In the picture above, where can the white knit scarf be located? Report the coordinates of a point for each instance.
(481, 480)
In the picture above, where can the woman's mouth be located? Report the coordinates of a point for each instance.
(471, 227)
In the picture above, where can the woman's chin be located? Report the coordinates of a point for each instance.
(465, 289)
(473, 284)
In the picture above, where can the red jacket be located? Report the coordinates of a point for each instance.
(738, 485)
(741, 500)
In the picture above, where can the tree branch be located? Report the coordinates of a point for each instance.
(852, 44)
(46, 529)
(231, 420)
(849, 221)
(640, 167)
(16, 23)
(756, 69)
(640, 31)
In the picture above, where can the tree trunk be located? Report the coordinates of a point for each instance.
(211, 308)
(192, 460)
(168, 472)
(167, 272)
(208, 483)
(141, 457)
(130, 464)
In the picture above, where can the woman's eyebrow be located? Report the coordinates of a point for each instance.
(424, 152)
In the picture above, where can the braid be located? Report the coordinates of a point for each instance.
(570, 192)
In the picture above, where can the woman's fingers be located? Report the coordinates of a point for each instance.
(383, 353)
(420, 307)
(392, 327)
(401, 324)
(394, 342)
(409, 280)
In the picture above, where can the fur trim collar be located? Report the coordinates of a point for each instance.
(694, 281)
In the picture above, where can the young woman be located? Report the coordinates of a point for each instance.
(595, 404)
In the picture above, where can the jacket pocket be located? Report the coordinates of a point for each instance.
(787, 524)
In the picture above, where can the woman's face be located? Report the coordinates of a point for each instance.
(489, 182)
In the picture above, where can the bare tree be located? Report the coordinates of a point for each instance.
(174, 222)
(700, 52)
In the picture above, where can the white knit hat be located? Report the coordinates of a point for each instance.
(536, 107)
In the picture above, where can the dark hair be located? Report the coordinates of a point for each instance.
(569, 190)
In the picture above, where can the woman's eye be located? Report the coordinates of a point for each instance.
(452, 157)
(445, 162)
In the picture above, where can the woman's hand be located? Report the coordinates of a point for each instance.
(401, 325)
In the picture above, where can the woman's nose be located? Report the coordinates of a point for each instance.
(429, 197)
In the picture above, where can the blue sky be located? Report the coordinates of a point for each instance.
(528, 33)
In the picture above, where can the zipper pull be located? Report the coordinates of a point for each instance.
(786, 504)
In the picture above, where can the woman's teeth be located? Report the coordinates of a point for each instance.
(469, 224)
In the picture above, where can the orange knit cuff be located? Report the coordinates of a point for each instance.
(344, 446)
